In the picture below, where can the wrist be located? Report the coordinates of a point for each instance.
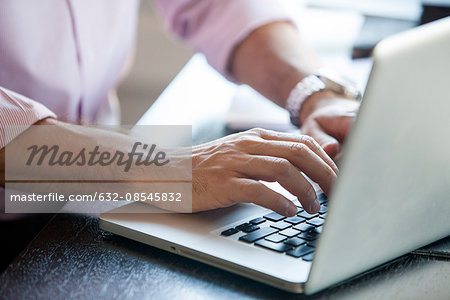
(313, 88)
(314, 102)
(322, 99)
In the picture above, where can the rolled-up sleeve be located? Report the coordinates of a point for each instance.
(216, 27)
(20, 111)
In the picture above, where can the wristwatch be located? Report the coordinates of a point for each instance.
(315, 83)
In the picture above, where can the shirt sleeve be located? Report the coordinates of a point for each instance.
(20, 111)
(216, 27)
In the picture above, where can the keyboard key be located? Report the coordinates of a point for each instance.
(308, 257)
(274, 217)
(323, 210)
(250, 228)
(322, 198)
(281, 225)
(316, 222)
(229, 232)
(279, 247)
(300, 251)
(312, 243)
(257, 235)
(276, 238)
(242, 226)
(306, 215)
(294, 220)
(309, 235)
(295, 242)
(303, 227)
(257, 221)
(289, 232)
(300, 209)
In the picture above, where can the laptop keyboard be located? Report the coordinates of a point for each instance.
(295, 236)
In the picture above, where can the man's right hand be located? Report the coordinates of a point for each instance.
(226, 171)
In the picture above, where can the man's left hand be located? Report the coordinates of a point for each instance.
(328, 118)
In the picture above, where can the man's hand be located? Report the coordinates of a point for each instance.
(227, 171)
(272, 60)
(328, 118)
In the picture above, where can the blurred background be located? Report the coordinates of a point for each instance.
(353, 27)
(158, 58)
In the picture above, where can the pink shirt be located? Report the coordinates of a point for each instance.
(61, 58)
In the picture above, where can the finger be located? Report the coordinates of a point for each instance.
(338, 157)
(286, 174)
(251, 191)
(304, 139)
(328, 143)
(301, 157)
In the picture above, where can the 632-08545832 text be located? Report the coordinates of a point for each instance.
(136, 197)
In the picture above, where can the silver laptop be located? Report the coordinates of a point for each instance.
(392, 195)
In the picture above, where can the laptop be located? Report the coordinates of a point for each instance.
(392, 195)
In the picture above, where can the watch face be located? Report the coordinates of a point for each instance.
(340, 84)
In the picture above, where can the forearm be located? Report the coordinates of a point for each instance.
(57, 158)
(73, 152)
(272, 60)
(63, 135)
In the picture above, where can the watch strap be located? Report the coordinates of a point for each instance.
(302, 90)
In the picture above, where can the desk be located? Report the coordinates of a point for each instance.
(73, 258)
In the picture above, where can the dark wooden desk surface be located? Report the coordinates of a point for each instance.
(73, 258)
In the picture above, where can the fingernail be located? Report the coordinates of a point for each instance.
(315, 206)
(291, 210)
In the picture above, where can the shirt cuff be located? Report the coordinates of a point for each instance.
(18, 113)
